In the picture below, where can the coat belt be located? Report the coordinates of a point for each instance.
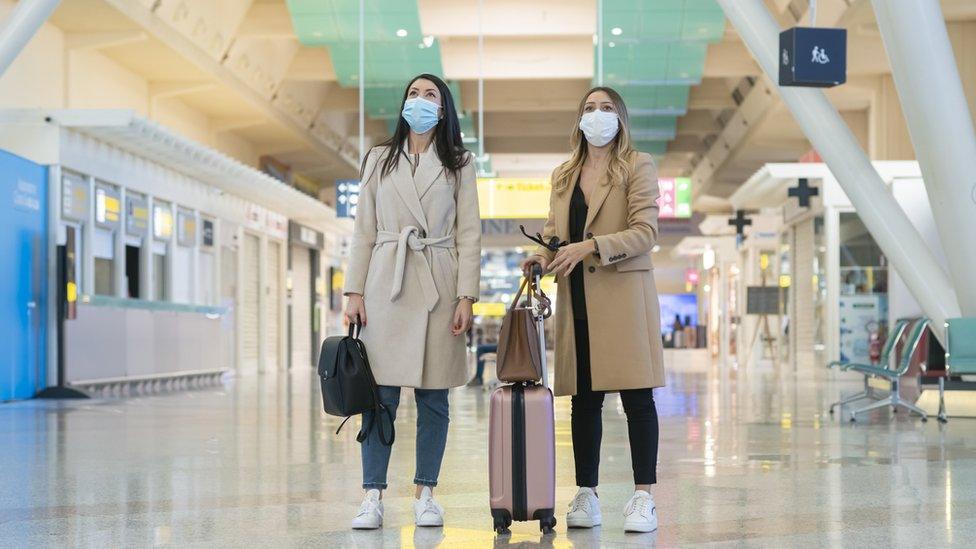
(409, 238)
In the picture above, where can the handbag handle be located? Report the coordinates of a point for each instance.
(355, 329)
(534, 291)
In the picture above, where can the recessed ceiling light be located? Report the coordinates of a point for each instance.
(616, 31)
(611, 44)
(317, 34)
(401, 32)
(428, 41)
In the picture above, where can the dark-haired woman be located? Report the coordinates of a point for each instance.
(604, 203)
(413, 275)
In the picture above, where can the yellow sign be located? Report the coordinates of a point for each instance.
(785, 281)
(764, 262)
(548, 285)
(72, 292)
(482, 308)
(514, 198)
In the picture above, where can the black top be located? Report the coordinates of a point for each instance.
(577, 223)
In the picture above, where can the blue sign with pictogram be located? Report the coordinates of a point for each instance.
(812, 57)
(347, 197)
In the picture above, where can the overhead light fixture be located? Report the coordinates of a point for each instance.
(596, 39)
(428, 41)
(611, 44)
(656, 249)
(708, 258)
(317, 34)
(401, 32)
(616, 31)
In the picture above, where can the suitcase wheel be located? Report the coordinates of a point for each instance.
(547, 525)
(502, 521)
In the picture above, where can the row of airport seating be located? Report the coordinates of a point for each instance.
(900, 352)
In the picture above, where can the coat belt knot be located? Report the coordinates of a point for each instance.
(410, 239)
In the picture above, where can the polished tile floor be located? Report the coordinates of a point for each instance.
(748, 457)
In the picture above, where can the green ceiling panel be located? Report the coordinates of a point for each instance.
(643, 128)
(655, 100)
(395, 50)
(653, 51)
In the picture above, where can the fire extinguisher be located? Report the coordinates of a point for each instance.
(874, 342)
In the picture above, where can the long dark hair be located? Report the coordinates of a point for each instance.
(447, 134)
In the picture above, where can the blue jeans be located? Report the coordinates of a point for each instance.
(481, 351)
(432, 421)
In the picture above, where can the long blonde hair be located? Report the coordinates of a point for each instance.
(622, 150)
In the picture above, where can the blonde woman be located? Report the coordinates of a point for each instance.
(604, 203)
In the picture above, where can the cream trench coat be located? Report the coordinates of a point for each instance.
(621, 297)
(415, 252)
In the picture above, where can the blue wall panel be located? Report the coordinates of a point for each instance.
(23, 276)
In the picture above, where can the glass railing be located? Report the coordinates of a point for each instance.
(142, 304)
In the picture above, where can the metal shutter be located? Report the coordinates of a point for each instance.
(273, 312)
(301, 308)
(228, 298)
(249, 310)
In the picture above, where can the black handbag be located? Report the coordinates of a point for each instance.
(348, 386)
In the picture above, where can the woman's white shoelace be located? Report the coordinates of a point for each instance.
(580, 502)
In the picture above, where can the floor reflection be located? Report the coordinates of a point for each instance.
(747, 454)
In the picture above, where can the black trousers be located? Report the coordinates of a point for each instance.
(587, 422)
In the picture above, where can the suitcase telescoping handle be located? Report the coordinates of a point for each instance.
(540, 323)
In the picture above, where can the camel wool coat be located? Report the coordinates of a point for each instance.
(621, 297)
(416, 251)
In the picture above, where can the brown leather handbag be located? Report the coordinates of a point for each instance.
(519, 355)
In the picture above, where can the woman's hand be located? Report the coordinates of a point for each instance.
(528, 262)
(568, 256)
(356, 309)
(462, 317)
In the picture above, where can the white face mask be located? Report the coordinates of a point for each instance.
(599, 127)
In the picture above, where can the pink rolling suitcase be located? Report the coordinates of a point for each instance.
(521, 448)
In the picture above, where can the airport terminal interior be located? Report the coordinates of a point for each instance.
(180, 184)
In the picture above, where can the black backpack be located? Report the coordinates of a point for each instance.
(348, 387)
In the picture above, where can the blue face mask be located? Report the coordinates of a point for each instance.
(421, 114)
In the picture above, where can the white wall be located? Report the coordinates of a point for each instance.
(36, 78)
(44, 75)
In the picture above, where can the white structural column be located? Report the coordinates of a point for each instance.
(833, 140)
(23, 22)
(939, 122)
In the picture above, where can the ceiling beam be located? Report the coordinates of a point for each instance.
(511, 144)
(729, 59)
(86, 41)
(224, 125)
(311, 64)
(165, 89)
(754, 108)
(698, 122)
(525, 124)
(453, 18)
(687, 144)
(712, 93)
(519, 58)
(322, 139)
(267, 21)
(526, 95)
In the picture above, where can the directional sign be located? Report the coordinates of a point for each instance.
(347, 197)
(675, 199)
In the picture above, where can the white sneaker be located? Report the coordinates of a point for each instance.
(370, 516)
(640, 514)
(584, 510)
(427, 511)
